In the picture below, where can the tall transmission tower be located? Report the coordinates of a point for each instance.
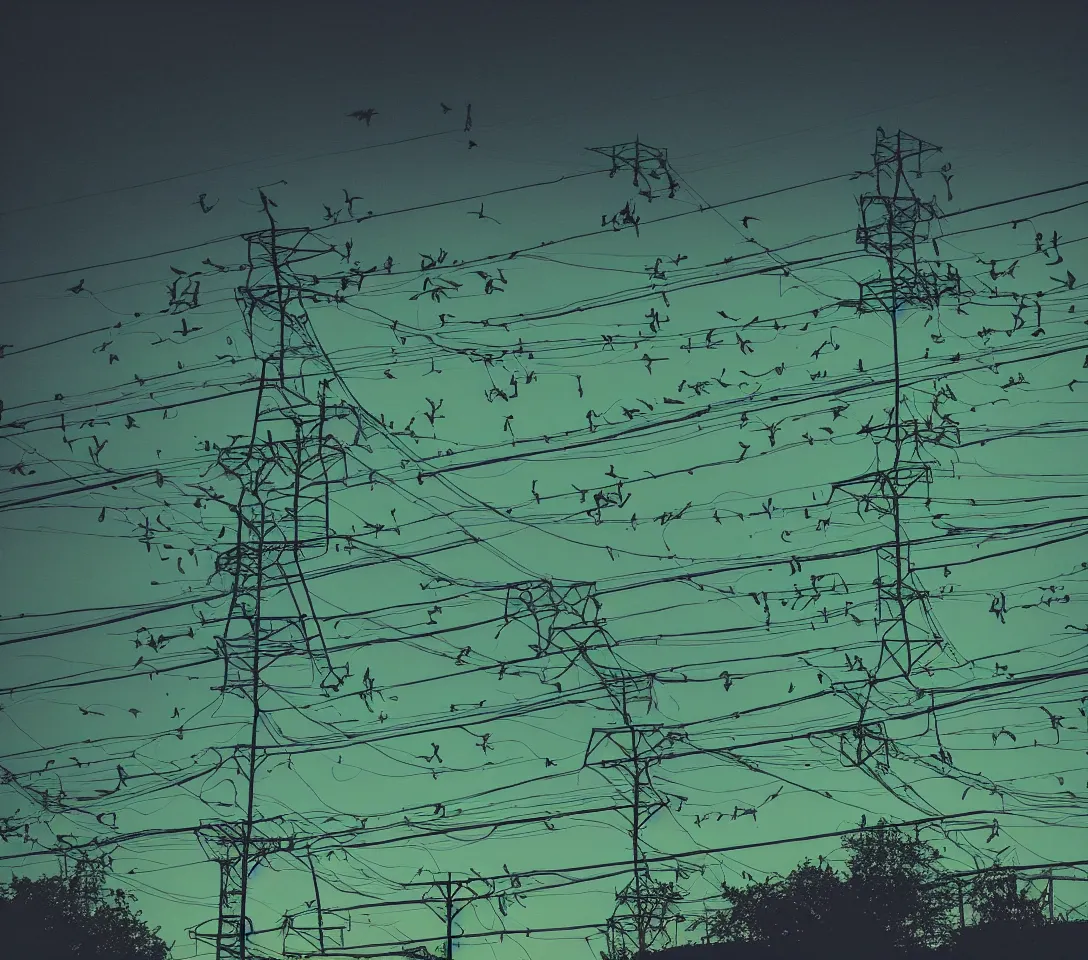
(894, 219)
(648, 165)
(282, 520)
(650, 176)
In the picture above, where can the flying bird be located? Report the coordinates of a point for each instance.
(78, 288)
(744, 221)
(364, 114)
(445, 109)
(203, 206)
(349, 201)
(480, 213)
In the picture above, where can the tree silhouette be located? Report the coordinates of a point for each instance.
(810, 906)
(1009, 921)
(893, 901)
(995, 898)
(893, 897)
(896, 883)
(60, 917)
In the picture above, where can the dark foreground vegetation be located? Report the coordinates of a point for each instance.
(1062, 940)
(73, 917)
(894, 902)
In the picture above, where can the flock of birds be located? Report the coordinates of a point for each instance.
(369, 113)
(743, 344)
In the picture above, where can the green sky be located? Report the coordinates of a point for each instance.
(589, 459)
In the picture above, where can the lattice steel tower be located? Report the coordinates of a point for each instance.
(282, 520)
(894, 219)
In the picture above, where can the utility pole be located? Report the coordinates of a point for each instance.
(635, 820)
(449, 916)
(637, 745)
(452, 906)
(566, 617)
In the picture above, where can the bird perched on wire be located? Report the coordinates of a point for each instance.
(366, 114)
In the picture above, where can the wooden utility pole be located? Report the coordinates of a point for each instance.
(451, 906)
(638, 745)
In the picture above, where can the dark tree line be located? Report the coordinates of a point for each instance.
(73, 916)
(892, 900)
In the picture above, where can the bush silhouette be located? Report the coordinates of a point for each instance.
(894, 901)
(62, 918)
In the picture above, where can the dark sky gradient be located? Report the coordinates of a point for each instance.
(119, 116)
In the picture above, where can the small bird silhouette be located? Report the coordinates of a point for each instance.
(364, 114)
(744, 221)
(78, 288)
(947, 176)
(349, 200)
(445, 109)
(204, 206)
(472, 143)
(85, 711)
(186, 329)
(480, 213)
